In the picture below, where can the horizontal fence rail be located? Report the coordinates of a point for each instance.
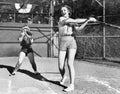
(85, 47)
(9, 39)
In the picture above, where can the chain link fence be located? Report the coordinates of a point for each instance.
(90, 42)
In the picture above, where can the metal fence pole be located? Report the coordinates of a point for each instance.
(104, 34)
(14, 17)
(51, 20)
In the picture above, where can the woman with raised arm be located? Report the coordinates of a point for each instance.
(67, 43)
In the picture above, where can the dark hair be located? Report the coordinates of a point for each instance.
(25, 27)
(69, 8)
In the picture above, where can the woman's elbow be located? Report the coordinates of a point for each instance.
(32, 40)
(78, 28)
(19, 39)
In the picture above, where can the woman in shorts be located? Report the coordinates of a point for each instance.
(67, 43)
(26, 40)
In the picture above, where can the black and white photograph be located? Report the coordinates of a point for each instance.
(59, 46)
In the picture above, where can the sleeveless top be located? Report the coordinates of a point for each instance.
(26, 42)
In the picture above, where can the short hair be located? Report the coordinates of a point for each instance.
(28, 30)
(26, 27)
(69, 9)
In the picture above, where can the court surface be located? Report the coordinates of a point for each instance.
(91, 77)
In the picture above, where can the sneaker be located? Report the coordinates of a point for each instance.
(70, 88)
(62, 82)
(12, 74)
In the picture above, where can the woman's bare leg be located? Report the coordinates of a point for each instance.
(20, 60)
(71, 57)
(61, 65)
(32, 61)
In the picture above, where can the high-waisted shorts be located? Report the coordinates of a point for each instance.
(26, 50)
(67, 42)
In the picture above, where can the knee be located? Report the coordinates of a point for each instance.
(70, 64)
(61, 63)
(20, 60)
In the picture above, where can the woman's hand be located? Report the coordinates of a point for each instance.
(92, 19)
(22, 33)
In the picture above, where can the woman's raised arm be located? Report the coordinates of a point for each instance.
(70, 20)
(91, 19)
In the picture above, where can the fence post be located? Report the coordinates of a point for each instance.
(51, 20)
(104, 33)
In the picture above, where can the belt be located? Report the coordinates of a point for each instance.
(68, 35)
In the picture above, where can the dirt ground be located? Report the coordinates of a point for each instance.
(92, 77)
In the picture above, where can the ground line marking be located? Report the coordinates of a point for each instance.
(105, 83)
(9, 85)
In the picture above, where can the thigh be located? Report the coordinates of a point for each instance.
(31, 57)
(61, 58)
(21, 56)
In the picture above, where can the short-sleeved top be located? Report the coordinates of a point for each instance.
(64, 28)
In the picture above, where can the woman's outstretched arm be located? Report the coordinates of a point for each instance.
(70, 20)
(91, 19)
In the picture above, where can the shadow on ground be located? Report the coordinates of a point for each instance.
(31, 74)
